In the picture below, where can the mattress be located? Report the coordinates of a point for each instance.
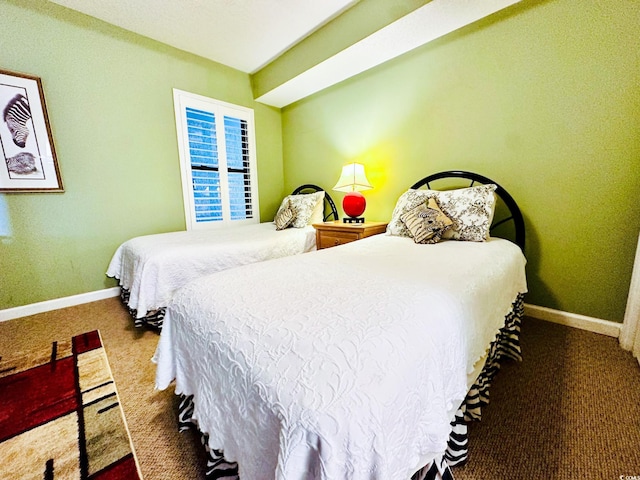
(349, 362)
(153, 267)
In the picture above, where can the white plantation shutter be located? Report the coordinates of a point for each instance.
(238, 167)
(217, 160)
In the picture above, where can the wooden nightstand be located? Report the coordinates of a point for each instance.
(330, 234)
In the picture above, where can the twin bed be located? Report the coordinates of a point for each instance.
(361, 361)
(151, 268)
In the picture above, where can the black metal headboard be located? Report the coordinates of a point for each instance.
(328, 201)
(512, 214)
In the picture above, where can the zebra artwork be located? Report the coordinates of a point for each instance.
(16, 114)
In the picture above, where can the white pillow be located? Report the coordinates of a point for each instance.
(317, 216)
(303, 205)
(471, 210)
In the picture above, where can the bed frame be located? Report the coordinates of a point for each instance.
(513, 215)
(329, 204)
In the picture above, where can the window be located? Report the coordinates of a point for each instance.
(217, 160)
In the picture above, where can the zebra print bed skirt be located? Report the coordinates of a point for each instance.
(506, 345)
(152, 319)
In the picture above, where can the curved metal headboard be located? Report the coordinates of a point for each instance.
(514, 211)
(328, 201)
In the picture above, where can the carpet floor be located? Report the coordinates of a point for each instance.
(570, 410)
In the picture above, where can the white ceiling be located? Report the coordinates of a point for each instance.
(243, 34)
(248, 34)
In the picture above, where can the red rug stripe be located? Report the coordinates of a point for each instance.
(37, 396)
(86, 342)
(123, 469)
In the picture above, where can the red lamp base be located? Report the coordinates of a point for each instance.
(354, 205)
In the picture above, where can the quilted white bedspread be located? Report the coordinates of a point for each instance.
(153, 267)
(345, 363)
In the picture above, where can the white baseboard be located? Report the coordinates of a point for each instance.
(57, 303)
(596, 325)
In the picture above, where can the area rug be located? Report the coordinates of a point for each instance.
(60, 416)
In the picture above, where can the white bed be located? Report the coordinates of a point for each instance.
(151, 268)
(345, 363)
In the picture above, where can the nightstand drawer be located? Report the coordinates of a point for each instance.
(332, 234)
(327, 240)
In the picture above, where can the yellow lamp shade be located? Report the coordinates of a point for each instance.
(352, 179)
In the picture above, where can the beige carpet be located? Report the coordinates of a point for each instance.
(570, 410)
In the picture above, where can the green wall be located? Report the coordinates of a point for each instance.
(110, 103)
(543, 98)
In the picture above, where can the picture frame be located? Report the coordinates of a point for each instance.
(28, 162)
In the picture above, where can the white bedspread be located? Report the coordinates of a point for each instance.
(153, 267)
(346, 363)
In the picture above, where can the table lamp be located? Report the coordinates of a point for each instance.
(353, 180)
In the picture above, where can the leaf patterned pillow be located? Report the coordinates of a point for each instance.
(426, 223)
(303, 205)
(471, 210)
(407, 201)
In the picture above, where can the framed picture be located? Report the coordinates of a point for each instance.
(28, 161)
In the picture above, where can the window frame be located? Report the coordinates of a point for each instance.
(182, 101)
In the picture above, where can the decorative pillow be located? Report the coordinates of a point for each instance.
(317, 216)
(426, 222)
(303, 206)
(471, 210)
(407, 201)
(285, 217)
